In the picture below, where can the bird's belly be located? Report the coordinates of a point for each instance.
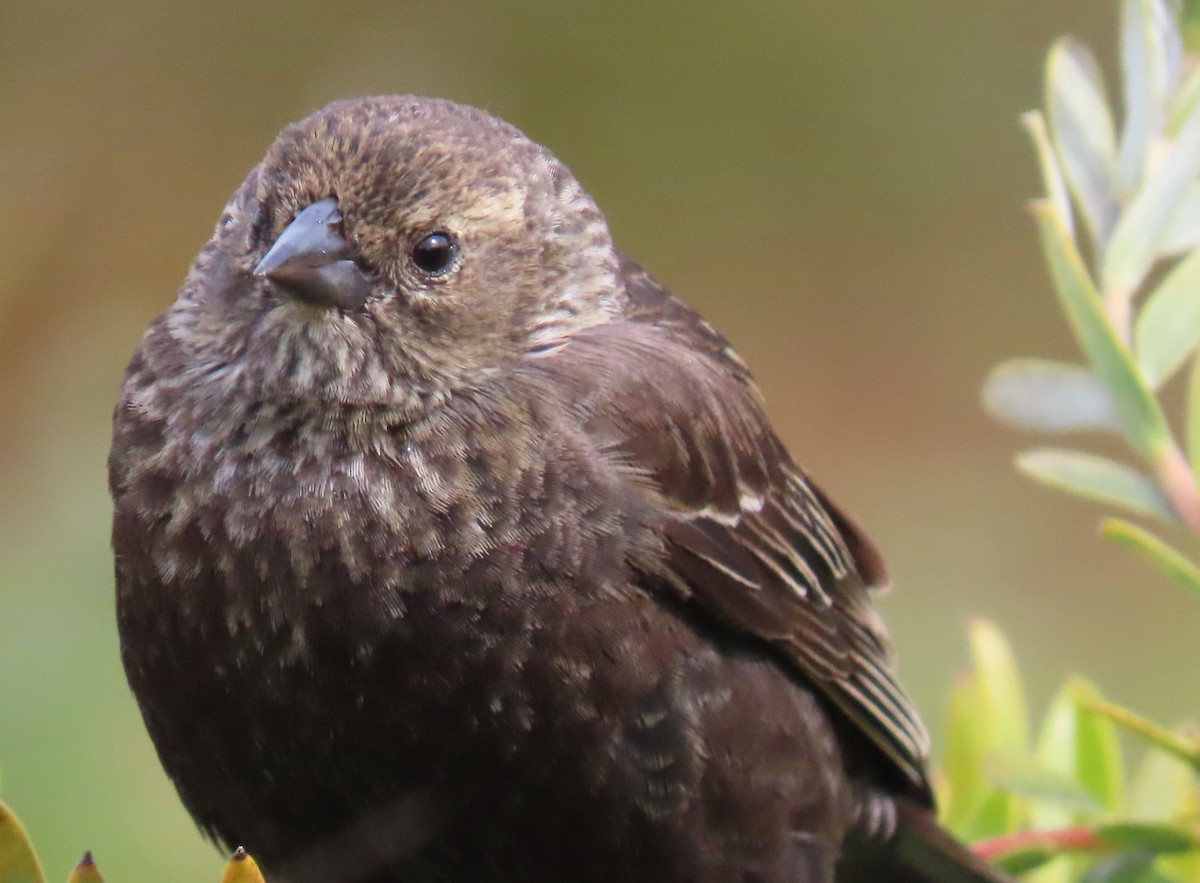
(551, 741)
(396, 703)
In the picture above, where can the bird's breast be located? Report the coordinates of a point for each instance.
(269, 546)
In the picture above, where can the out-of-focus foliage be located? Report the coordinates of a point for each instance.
(1120, 230)
(1120, 226)
(18, 861)
(19, 864)
(1058, 801)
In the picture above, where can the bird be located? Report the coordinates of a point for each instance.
(450, 546)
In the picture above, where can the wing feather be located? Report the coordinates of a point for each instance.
(748, 537)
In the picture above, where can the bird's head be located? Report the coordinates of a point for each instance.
(388, 251)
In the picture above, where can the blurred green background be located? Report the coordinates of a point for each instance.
(839, 187)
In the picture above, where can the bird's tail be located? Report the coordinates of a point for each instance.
(919, 850)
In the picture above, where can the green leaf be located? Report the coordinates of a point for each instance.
(1141, 414)
(18, 864)
(1138, 76)
(1150, 50)
(1082, 745)
(1032, 777)
(1082, 129)
(1157, 838)
(1185, 748)
(1129, 867)
(1163, 787)
(1184, 868)
(1184, 233)
(1193, 417)
(1191, 24)
(1000, 689)
(1024, 860)
(1183, 102)
(1005, 720)
(1140, 235)
(986, 729)
(1000, 813)
(1052, 177)
(1168, 324)
(1049, 396)
(967, 786)
(1170, 561)
(1096, 478)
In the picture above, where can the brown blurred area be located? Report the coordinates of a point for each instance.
(839, 187)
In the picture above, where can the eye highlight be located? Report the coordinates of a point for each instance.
(435, 254)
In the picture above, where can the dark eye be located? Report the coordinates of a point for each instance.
(434, 254)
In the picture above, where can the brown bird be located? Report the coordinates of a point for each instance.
(450, 546)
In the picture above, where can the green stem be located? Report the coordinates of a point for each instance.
(1187, 750)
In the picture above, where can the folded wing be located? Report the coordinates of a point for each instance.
(748, 538)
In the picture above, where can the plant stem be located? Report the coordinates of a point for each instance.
(1078, 838)
(1179, 484)
(1117, 305)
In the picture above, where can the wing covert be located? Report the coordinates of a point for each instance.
(748, 537)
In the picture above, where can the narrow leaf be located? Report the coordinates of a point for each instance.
(1153, 837)
(1137, 82)
(1049, 396)
(1183, 868)
(1141, 414)
(1191, 24)
(1024, 860)
(1032, 777)
(1167, 559)
(1096, 478)
(1186, 749)
(1167, 38)
(987, 729)
(1052, 177)
(1001, 813)
(1163, 787)
(1082, 129)
(18, 864)
(1140, 234)
(1168, 325)
(1193, 417)
(1056, 751)
(1182, 103)
(967, 786)
(1001, 691)
(1080, 744)
(1128, 867)
(1184, 232)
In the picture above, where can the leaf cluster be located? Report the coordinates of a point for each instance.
(1120, 225)
(1058, 801)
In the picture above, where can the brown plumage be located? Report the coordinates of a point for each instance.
(450, 546)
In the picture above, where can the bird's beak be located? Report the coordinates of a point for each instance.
(312, 261)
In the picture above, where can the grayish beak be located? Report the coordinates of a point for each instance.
(312, 261)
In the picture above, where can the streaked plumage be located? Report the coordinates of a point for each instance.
(491, 571)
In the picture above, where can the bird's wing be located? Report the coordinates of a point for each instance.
(748, 538)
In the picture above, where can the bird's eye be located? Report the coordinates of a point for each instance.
(434, 255)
